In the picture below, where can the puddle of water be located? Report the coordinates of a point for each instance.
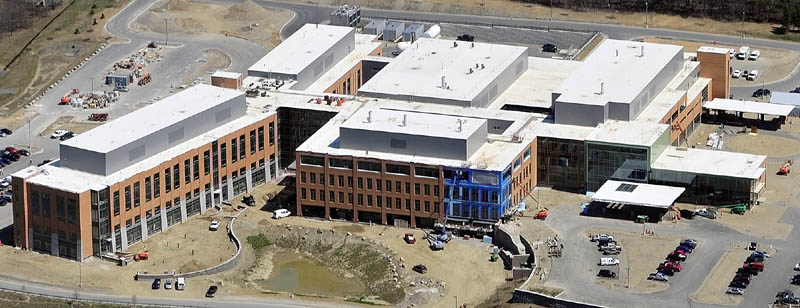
(294, 274)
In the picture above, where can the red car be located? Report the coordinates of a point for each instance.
(755, 265)
(409, 238)
(12, 149)
(672, 266)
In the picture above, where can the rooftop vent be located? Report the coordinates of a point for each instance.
(405, 119)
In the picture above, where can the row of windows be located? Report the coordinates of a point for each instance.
(419, 189)
(369, 166)
(65, 209)
(368, 200)
(156, 211)
(191, 170)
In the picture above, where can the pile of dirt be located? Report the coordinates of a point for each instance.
(177, 5)
(245, 11)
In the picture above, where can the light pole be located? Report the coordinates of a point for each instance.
(29, 135)
(743, 16)
(551, 10)
(166, 33)
(646, 12)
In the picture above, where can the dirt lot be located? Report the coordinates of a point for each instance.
(71, 124)
(713, 289)
(761, 221)
(247, 20)
(211, 61)
(763, 144)
(773, 64)
(550, 198)
(640, 256)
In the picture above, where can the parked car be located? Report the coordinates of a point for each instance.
(762, 92)
(211, 291)
(747, 270)
(685, 249)
(180, 285)
(156, 284)
(658, 277)
(732, 53)
(689, 242)
(755, 54)
(214, 226)
(706, 213)
(797, 267)
(735, 291)
(796, 90)
(687, 214)
(743, 278)
(606, 273)
(58, 133)
(754, 258)
(420, 268)
(672, 266)
(752, 75)
(736, 73)
(795, 281)
(5, 131)
(737, 284)
(281, 213)
(602, 237)
(24, 152)
(466, 38)
(409, 238)
(753, 246)
(676, 256)
(44, 162)
(67, 136)
(608, 262)
(168, 284)
(549, 48)
(611, 251)
(763, 253)
(755, 265)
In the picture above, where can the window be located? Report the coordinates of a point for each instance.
(436, 207)
(369, 183)
(261, 138)
(176, 179)
(436, 190)
(127, 198)
(71, 211)
(137, 219)
(340, 163)
(360, 199)
(156, 185)
(168, 205)
(388, 186)
(314, 194)
(128, 223)
(331, 180)
(45, 205)
(223, 155)
(369, 166)
(136, 194)
(252, 142)
(398, 187)
(302, 193)
(196, 167)
(341, 181)
(332, 196)
(148, 191)
(350, 181)
(378, 185)
(416, 205)
(398, 169)
(271, 133)
(341, 197)
(321, 195)
(416, 188)
(369, 200)
(426, 172)
(312, 160)
(116, 203)
(427, 189)
(388, 202)
(321, 179)
(187, 172)
(360, 183)
(349, 198)
(378, 201)
(398, 203)
(408, 204)
(233, 150)
(313, 178)
(302, 177)
(408, 188)
(242, 150)
(427, 206)
(206, 163)
(149, 214)
(167, 180)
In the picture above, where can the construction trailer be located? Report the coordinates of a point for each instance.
(120, 79)
(413, 32)
(228, 80)
(346, 16)
(393, 31)
(375, 27)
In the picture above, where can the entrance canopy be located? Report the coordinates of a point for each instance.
(629, 193)
(748, 107)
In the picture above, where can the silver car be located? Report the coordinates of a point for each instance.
(735, 291)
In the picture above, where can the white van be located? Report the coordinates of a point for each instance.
(281, 213)
(744, 52)
(181, 284)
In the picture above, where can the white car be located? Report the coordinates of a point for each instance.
(732, 53)
(736, 73)
(755, 54)
(608, 262)
(214, 225)
(281, 213)
(58, 133)
(797, 267)
(658, 277)
(602, 237)
(735, 291)
(752, 75)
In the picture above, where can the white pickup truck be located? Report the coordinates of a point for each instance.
(608, 262)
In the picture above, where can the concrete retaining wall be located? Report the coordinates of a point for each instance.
(530, 297)
(505, 240)
(229, 264)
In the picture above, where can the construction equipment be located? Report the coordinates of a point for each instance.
(99, 117)
(145, 79)
(785, 168)
(141, 255)
(738, 208)
(541, 215)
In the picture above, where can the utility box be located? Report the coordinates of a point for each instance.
(346, 16)
(393, 31)
(413, 32)
(375, 27)
(227, 80)
(118, 80)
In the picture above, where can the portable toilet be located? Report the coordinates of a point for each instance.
(413, 32)
(375, 27)
(393, 31)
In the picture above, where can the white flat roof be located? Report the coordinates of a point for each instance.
(76, 181)
(559, 131)
(711, 49)
(228, 75)
(785, 98)
(638, 194)
(630, 133)
(151, 118)
(748, 107)
(300, 49)
(534, 88)
(709, 162)
(620, 67)
(365, 44)
(416, 123)
(419, 69)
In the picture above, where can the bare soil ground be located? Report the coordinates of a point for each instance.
(550, 198)
(211, 61)
(640, 256)
(763, 144)
(761, 221)
(773, 64)
(70, 123)
(246, 20)
(713, 289)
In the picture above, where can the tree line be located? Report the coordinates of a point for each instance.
(20, 14)
(782, 12)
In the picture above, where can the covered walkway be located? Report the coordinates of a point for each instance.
(627, 200)
(732, 112)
